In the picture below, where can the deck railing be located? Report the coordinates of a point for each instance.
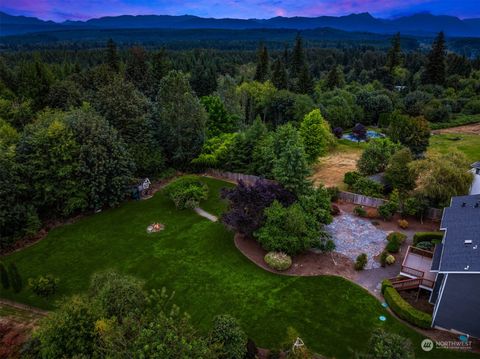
(410, 283)
(413, 271)
(420, 252)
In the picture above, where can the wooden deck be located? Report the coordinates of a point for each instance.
(416, 266)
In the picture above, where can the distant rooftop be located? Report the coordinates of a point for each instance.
(461, 246)
(475, 164)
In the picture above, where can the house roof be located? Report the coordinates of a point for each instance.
(475, 164)
(461, 243)
(459, 302)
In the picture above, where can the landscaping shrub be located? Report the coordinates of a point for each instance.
(15, 278)
(403, 223)
(338, 132)
(385, 345)
(397, 236)
(278, 260)
(4, 276)
(390, 259)
(351, 177)
(360, 211)
(395, 240)
(387, 210)
(427, 237)
(368, 187)
(228, 333)
(425, 245)
(361, 261)
(291, 229)
(383, 258)
(43, 286)
(334, 192)
(334, 210)
(385, 283)
(187, 192)
(404, 310)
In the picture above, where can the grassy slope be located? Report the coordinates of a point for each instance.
(198, 260)
(468, 144)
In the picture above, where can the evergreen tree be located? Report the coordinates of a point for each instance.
(137, 71)
(435, 69)
(161, 65)
(203, 78)
(179, 119)
(333, 78)
(298, 57)
(4, 276)
(394, 53)
(261, 73)
(15, 278)
(305, 81)
(279, 75)
(291, 167)
(112, 56)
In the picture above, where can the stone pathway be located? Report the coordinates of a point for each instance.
(354, 235)
(205, 214)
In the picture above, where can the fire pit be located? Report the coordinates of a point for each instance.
(155, 227)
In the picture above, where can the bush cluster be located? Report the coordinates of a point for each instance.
(360, 211)
(395, 240)
(43, 286)
(403, 309)
(428, 246)
(427, 237)
(361, 261)
(187, 192)
(403, 223)
(278, 260)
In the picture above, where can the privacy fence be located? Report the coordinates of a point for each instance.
(432, 213)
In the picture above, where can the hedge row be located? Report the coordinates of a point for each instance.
(403, 309)
(427, 237)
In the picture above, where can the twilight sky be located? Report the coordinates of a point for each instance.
(59, 10)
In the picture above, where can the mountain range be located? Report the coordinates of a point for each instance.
(422, 24)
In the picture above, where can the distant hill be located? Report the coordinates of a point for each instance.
(418, 24)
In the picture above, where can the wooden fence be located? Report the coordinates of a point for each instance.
(361, 199)
(432, 213)
(231, 176)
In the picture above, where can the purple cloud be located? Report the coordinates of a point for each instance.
(58, 10)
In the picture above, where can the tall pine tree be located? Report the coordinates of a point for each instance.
(112, 56)
(435, 69)
(279, 75)
(298, 57)
(262, 71)
(394, 56)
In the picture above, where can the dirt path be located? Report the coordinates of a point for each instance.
(205, 214)
(472, 129)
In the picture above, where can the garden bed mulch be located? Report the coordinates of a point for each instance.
(306, 264)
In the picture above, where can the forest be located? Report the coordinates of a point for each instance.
(79, 128)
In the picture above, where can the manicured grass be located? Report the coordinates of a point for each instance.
(466, 143)
(198, 260)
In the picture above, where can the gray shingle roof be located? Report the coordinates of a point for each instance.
(462, 223)
(459, 303)
(476, 164)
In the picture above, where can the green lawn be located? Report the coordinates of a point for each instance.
(198, 260)
(466, 143)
